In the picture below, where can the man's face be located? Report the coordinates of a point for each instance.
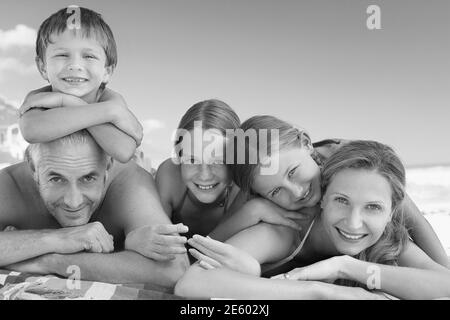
(71, 181)
(75, 65)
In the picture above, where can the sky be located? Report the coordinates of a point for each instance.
(314, 63)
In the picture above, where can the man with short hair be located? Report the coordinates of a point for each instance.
(70, 204)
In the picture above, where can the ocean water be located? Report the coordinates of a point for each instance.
(429, 188)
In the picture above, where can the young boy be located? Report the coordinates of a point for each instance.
(78, 60)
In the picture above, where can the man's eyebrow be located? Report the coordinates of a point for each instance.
(91, 173)
(340, 194)
(53, 173)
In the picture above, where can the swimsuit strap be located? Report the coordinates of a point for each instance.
(293, 254)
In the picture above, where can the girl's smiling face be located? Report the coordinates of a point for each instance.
(203, 168)
(297, 182)
(357, 206)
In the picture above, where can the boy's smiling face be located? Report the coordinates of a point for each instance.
(75, 65)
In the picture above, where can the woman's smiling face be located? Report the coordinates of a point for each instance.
(357, 206)
(297, 182)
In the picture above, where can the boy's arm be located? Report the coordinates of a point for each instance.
(423, 234)
(46, 121)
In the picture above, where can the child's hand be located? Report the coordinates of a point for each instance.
(128, 123)
(215, 254)
(125, 120)
(266, 211)
(158, 242)
(48, 100)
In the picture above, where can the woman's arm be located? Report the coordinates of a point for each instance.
(224, 283)
(423, 234)
(417, 277)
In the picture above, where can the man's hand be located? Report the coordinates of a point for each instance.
(215, 254)
(91, 237)
(159, 242)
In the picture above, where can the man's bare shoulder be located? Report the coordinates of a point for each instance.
(14, 178)
(18, 192)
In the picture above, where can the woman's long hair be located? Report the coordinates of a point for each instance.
(371, 155)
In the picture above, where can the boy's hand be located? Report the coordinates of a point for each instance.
(125, 120)
(48, 100)
(128, 123)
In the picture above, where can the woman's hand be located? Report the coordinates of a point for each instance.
(215, 254)
(328, 270)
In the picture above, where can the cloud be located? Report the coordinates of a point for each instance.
(14, 64)
(150, 125)
(20, 36)
(14, 103)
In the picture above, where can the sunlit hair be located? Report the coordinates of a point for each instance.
(380, 158)
(33, 152)
(290, 136)
(213, 114)
(92, 26)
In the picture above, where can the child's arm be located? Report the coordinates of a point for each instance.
(423, 234)
(43, 120)
(253, 212)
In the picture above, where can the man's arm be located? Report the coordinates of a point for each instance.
(18, 246)
(134, 203)
(119, 267)
(423, 234)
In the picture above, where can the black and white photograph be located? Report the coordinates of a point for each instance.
(213, 150)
